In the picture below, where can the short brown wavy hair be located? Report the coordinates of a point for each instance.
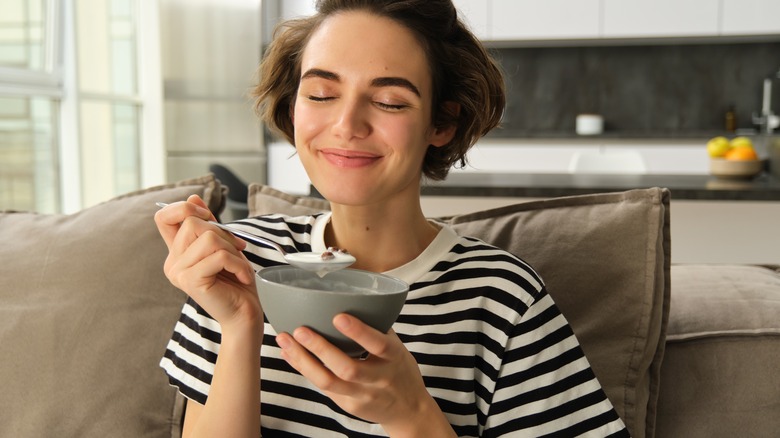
(462, 69)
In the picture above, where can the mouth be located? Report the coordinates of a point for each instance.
(349, 158)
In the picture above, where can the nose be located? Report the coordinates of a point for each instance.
(351, 120)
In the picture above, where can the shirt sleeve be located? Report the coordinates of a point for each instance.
(545, 384)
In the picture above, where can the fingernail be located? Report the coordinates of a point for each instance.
(282, 341)
(302, 336)
(341, 321)
(203, 212)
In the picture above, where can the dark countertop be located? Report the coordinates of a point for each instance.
(695, 187)
(650, 134)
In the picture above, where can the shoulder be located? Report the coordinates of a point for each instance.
(488, 261)
(472, 266)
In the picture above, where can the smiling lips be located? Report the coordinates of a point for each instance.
(348, 158)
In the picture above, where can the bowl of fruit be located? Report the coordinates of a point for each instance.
(733, 159)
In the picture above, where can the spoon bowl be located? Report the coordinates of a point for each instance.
(320, 263)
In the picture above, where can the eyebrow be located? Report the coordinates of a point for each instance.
(390, 81)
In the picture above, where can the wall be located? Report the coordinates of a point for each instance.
(210, 51)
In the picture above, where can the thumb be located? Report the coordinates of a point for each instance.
(197, 200)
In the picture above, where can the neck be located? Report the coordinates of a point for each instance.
(380, 237)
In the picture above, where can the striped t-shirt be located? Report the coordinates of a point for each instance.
(493, 349)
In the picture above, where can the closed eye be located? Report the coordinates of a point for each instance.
(389, 107)
(319, 98)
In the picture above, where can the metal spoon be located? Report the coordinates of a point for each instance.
(321, 263)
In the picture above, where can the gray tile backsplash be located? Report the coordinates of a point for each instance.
(642, 91)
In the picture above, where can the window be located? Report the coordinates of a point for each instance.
(109, 101)
(77, 105)
(28, 159)
(29, 107)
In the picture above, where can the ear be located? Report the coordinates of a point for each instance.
(442, 135)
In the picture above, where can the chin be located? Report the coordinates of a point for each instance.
(342, 199)
(347, 195)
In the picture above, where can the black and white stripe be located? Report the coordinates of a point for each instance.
(493, 349)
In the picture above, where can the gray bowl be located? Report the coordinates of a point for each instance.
(292, 297)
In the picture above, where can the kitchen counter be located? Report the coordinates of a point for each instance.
(649, 134)
(765, 187)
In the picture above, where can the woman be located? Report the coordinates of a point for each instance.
(374, 94)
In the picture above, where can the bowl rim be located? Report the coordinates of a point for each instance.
(403, 286)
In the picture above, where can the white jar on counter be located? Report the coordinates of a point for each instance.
(590, 124)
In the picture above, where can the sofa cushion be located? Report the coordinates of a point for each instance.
(604, 258)
(719, 376)
(85, 314)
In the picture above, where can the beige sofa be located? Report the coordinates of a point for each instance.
(85, 313)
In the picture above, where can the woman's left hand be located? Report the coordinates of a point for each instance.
(385, 388)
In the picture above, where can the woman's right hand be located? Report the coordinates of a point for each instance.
(207, 263)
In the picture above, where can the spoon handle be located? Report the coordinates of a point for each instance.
(249, 237)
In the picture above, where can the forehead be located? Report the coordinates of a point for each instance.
(357, 44)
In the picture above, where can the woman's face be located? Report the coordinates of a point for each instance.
(362, 115)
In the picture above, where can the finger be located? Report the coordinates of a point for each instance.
(298, 356)
(218, 267)
(190, 230)
(220, 294)
(315, 358)
(197, 200)
(233, 262)
(193, 228)
(208, 255)
(376, 343)
(194, 241)
(169, 218)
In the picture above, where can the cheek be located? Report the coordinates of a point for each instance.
(407, 133)
(306, 122)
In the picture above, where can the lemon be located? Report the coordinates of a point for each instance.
(718, 146)
(737, 142)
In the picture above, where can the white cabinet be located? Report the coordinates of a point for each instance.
(746, 17)
(549, 19)
(475, 14)
(533, 20)
(660, 18)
